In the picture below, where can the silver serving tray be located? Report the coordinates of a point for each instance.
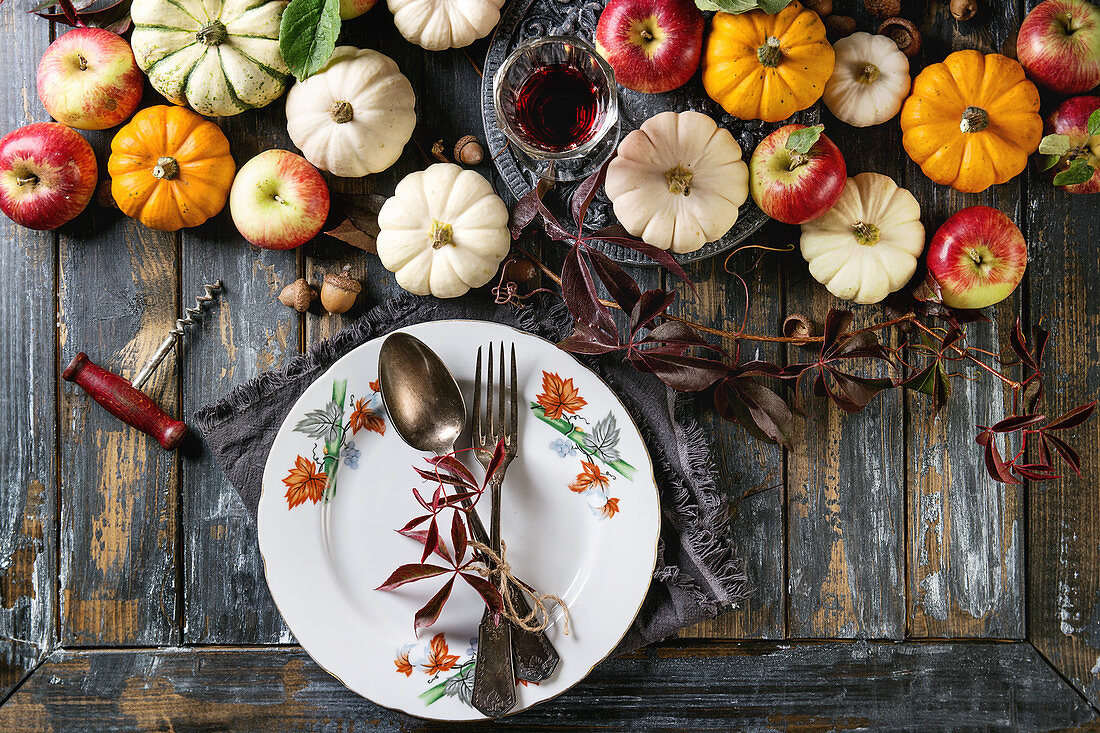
(523, 19)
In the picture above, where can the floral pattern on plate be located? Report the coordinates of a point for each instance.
(560, 405)
(312, 478)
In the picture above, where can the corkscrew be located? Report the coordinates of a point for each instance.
(125, 400)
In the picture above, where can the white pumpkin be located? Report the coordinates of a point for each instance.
(218, 57)
(866, 246)
(354, 116)
(443, 231)
(870, 80)
(677, 181)
(439, 24)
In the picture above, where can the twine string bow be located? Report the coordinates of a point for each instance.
(498, 572)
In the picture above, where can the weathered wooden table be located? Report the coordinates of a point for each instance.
(895, 582)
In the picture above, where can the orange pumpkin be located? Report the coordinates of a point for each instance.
(971, 121)
(767, 67)
(170, 168)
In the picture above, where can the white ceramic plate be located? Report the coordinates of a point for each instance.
(580, 518)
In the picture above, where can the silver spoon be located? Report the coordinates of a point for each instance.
(426, 409)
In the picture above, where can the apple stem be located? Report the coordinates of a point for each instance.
(646, 35)
(341, 112)
(679, 181)
(798, 160)
(868, 74)
(769, 53)
(440, 234)
(31, 180)
(279, 199)
(81, 62)
(166, 168)
(974, 119)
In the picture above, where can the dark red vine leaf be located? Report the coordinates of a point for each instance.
(758, 409)
(621, 286)
(421, 536)
(454, 468)
(682, 373)
(495, 461)
(994, 465)
(112, 15)
(458, 537)
(579, 291)
(429, 613)
(1073, 418)
(849, 392)
(1035, 472)
(527, 208)
(585, 192)
(1016, 422)
(587, 340)
(617, 234)
(651, 304)
(431, 539)
(933, 381)
(487, 591)
(1064, 450)
(410, 573)
(679, 333)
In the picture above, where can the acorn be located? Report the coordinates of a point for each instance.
(903, 33)
(797, 325)
(520, 270)
(883, 8)
(468, 150)
(339, 291)
(298, 295)
(839, 26)
(964, 10)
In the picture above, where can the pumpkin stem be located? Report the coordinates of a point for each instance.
(212, 34)
(769, 53)
(866, 234)
(29, 180)
(341, 112)
(679, 181)
(440, 234)
(974, 119)
(868, 74)
(166, 168)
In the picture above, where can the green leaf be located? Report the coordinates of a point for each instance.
(1094, 122)
(932, 381)
(1050, 161)
(307, 35)
(743, 6)
(800, 141)
(1054, 145)
(1079, 171)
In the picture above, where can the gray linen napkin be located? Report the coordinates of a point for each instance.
(698, 573)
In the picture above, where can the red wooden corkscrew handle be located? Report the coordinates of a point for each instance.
(124, 401)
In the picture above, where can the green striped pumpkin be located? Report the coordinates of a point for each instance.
(218, 57)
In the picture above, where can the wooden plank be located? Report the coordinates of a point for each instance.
(965, 531)
(846, 473)
(712, 686)
(28, 463)
(118, 297)
(248, 331)
(750, 472)
(1064, 516)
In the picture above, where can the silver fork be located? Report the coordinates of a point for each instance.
(533, 656)
(494, 691)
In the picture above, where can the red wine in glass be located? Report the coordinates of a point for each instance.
(557, 108)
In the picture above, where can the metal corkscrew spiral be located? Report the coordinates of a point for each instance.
(190, 316)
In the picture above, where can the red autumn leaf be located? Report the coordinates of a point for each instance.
(1016, 422)
(1073, 418)
(458, 537)
(559, 397)
(410, 573)
(429, 612)
(431, 540)
(304, 482)
(486, 590)
(421, 536)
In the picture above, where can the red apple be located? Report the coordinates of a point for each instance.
(47, 175)
(88, 79)
(278, 200)
(1072, 120)
(978, 258)
(794, 187)
(653, 45)
(354, 8)
(1059, 45)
